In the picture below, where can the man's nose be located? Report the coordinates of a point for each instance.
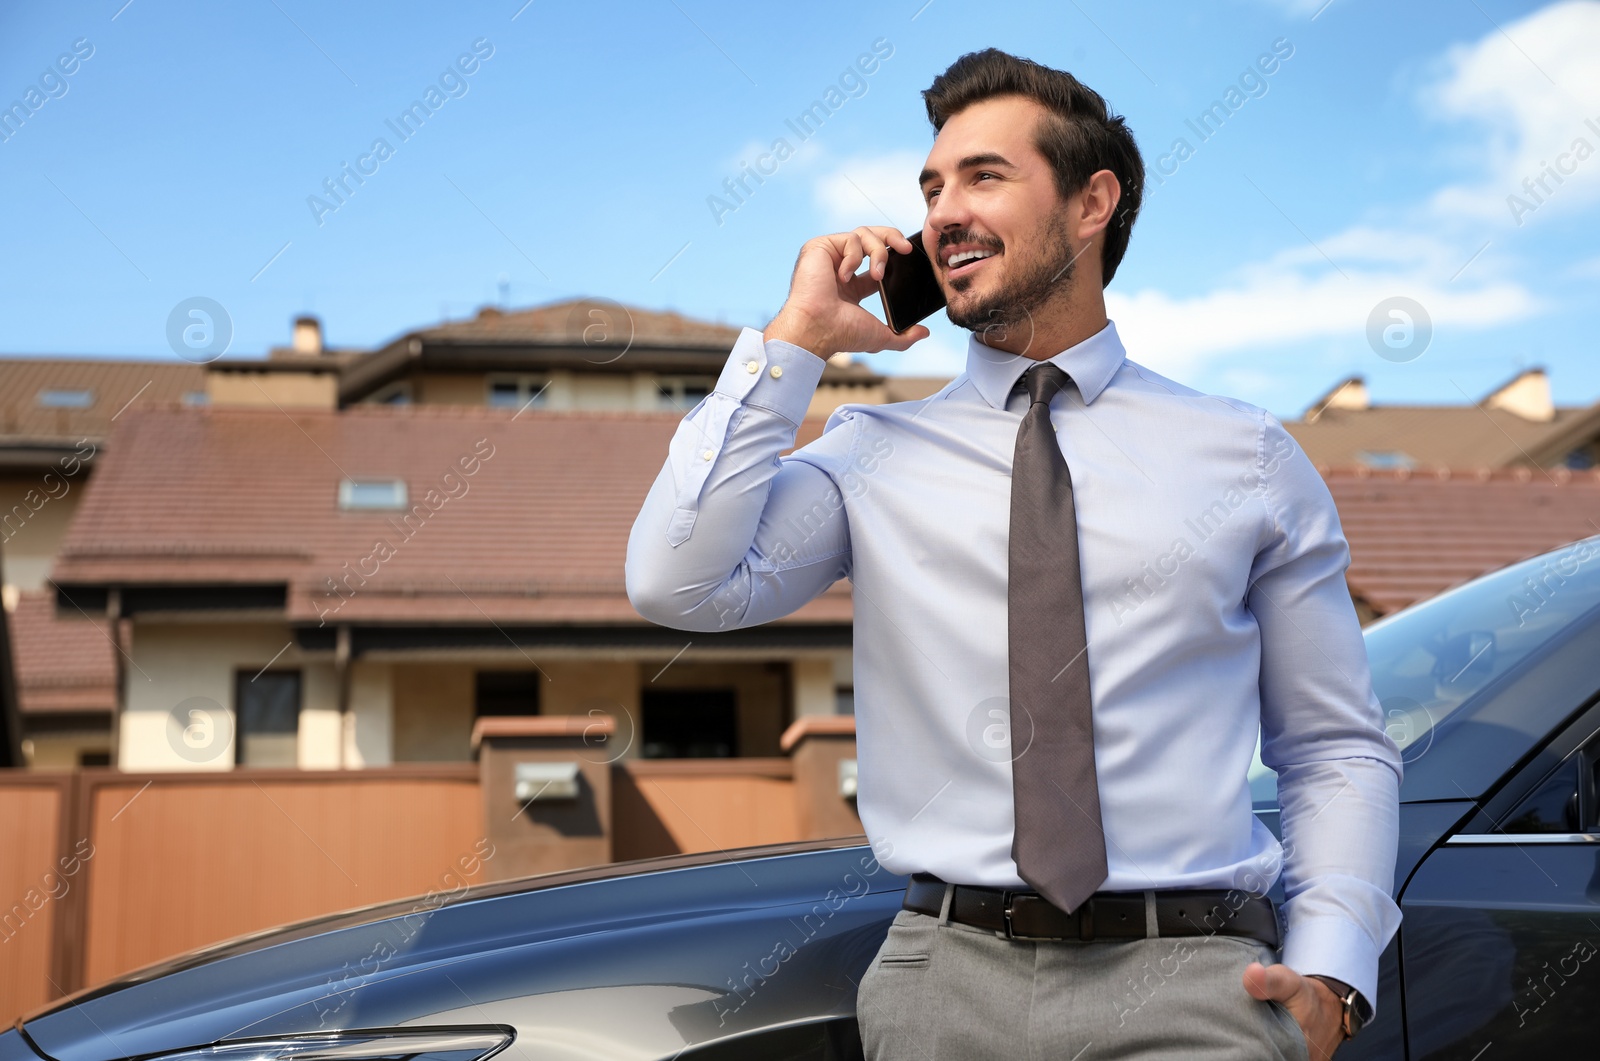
(946, 213)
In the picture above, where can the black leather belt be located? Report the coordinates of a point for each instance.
(1104, 915)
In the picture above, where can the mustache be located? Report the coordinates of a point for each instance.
(964, 236)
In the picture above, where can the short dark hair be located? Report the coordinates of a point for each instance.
(1079, 137)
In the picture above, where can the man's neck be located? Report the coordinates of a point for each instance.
(1050, 330)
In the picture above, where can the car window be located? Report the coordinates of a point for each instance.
(1433, 657)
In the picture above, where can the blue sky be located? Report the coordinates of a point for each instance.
(578, 158)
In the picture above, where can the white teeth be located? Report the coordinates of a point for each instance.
(967, 256)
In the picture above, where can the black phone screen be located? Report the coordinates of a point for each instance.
(909, 289)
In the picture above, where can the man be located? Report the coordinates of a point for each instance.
(1081, 592)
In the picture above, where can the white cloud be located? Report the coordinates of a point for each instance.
(1502, 82)
(1279, 307)
(1533, 90)
(873, 190)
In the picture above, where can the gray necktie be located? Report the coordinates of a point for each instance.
(1058, 843)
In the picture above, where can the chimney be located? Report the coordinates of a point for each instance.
(307, 336)
(1350, 394)
(1527, 395)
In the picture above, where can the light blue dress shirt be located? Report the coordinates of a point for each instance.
(1215, 606)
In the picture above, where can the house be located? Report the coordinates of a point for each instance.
(219, 529)
(1515, 425)
(55, 414)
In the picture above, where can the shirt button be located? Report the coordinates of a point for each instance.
(752, 367)
(707, 454)
(776, 370)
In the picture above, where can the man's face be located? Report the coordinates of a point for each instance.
(990, 192)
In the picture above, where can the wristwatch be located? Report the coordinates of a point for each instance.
(1357, 1010)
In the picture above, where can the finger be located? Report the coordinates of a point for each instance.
(815, 250)
(1282, 983)
(891, 236)
(853, 254)
(1255, 981)
(879, 336)
(876, 249)
(914, 334)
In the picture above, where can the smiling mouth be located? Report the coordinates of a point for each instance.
(967, 268)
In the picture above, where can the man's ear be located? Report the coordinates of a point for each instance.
(1097, 204)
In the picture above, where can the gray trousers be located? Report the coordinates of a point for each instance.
(942, 991)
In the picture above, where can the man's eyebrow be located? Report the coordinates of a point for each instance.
(988, 158)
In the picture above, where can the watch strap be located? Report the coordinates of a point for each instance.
(1357, 1010)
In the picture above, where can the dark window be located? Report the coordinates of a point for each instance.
(269, 718)
(689, 724)
(1553, 806)
(507, 692)
(505, 394)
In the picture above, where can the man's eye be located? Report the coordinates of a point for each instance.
(929, 197)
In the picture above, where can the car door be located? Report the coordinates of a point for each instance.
(1502, 920)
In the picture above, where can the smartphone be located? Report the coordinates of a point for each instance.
(909, 289)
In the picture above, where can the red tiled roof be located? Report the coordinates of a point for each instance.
(233, 495)
(1415, 535)
(568, 321)
(217, 495)
(63, 663)
(112, 384)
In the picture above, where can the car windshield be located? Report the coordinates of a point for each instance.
(1431, 658)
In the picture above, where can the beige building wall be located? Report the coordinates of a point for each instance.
(366, 729)
(59, 750)
(813, 685)
(452, 388)
(318, 390)
(33, 523)
(566, 390)
(183, 672)
(607, 686)
(433, 711)
(369, 725)
(423, 710)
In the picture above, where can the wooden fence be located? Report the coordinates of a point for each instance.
(103, 872)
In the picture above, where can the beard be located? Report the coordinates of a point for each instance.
(1037, 279)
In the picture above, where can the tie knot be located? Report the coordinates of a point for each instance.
(1044, 381)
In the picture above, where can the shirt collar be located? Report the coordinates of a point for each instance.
(1091, 364)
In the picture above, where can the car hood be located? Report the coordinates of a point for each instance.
(407, 963)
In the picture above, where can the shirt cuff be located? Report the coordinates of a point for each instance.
(1336, 947)
(774, 375)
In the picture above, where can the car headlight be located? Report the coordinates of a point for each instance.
(385, 1044)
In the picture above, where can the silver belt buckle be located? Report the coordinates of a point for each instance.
(1011, 933)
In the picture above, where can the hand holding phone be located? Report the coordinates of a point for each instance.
(909, 289)
(823, 312)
